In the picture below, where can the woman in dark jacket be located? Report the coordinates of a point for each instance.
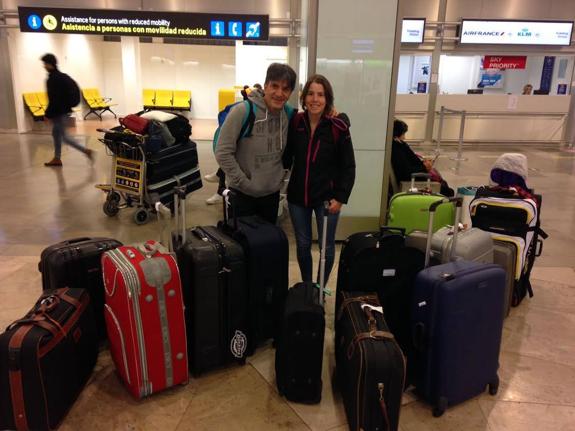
(320, 154)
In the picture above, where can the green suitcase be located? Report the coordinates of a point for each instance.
(410, 210)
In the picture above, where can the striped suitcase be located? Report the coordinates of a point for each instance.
(145, 317)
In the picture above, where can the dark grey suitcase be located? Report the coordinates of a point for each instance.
(213, 272)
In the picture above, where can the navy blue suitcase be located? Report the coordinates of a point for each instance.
(457, 321)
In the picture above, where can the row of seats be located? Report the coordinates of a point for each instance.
(38, 102)
(179, 100)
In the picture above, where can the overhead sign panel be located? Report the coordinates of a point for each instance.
(516, 32)
(412, 30)
(142, 23)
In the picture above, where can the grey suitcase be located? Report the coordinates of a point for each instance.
(473, 245)
(505, 255)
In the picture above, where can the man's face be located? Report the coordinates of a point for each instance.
(48, 67)
(276, 95)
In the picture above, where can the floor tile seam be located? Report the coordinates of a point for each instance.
(528, 402)
(539, 358)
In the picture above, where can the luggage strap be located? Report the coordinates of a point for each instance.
(368, 299)
(374, 333)
(15, 377)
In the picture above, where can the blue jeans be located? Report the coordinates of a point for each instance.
(59, 134)
(301, 220)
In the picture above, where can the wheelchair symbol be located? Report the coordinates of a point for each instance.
(252, 29)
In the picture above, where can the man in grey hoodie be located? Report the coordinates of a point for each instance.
(253, 164)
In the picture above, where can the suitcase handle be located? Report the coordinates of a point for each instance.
(423, 175)
(200, 234)
(458, 202)
(229, 208)
(383, 229)
(322, 254)
(76, 240)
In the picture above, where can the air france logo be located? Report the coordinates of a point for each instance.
(524, 33)
(238, 344)
(483, 33)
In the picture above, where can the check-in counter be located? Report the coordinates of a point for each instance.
(489, 118)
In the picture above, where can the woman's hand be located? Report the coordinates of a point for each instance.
(428, 165)
(334, 206)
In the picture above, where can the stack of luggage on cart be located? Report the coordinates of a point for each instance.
(419, 303)
(152, 153)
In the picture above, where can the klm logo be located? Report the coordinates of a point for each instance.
(524, 33)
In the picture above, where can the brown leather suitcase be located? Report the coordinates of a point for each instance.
(46, 358)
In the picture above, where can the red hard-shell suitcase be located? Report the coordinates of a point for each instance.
(145, 317)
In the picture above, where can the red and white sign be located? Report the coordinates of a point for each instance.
(504, 62)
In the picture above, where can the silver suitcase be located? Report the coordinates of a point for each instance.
(473, 245)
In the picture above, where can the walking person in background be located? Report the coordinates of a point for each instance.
(320, 155)
(63, 95)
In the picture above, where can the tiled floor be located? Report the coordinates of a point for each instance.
(41, 206)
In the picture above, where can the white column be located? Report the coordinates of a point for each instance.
(131, 74)
(22, 123)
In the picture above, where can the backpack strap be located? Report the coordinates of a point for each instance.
(289, 110)
(249, 119)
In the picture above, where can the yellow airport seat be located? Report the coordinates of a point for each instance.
(43, 99)
(182, 100)
(96, 103)
(148, 95)
(163, 99)
(226, 96)
(33, 104)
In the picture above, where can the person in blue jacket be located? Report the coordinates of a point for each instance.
(320, 154)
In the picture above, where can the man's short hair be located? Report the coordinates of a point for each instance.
(399, 128)
(50, 59)
(281, 72)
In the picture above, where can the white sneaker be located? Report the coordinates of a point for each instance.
(215, 199)
(211, 178)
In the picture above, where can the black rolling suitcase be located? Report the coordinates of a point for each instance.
(76, 263)
(170, 160)
(457, 325)
(370, 366)
(46, 358)
(213, 274)
(267, 255)
(380, 262)
(299, 350)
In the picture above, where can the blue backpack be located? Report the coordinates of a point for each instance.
(249, 119)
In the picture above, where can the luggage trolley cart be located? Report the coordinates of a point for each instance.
(128, 180)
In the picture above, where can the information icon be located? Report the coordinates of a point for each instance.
(253, 29)
(218, 28)
(235, 29)
(34, 22)
(50, 22)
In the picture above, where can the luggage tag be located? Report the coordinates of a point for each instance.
(373, 308)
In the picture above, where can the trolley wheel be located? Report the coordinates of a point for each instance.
(494, 387)
(114, 197)
(440, 408)
(111, 208)
(141, 216)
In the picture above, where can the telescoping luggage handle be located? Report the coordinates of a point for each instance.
(229, 209)
(322, 254)
(423, 175)
(433, 207)
(180, 217)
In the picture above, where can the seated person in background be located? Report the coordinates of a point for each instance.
(510, 170)
(405, 162)
(527, 90)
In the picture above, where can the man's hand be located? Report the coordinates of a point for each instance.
(334, 206)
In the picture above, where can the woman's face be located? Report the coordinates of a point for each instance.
(315, 99)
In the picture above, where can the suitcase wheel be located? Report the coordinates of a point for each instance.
(440, 408)
(494, 387)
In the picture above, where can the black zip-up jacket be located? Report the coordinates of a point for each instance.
(322, 165)
(57, 88)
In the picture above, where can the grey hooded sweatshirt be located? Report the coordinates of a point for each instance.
(253, 165)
